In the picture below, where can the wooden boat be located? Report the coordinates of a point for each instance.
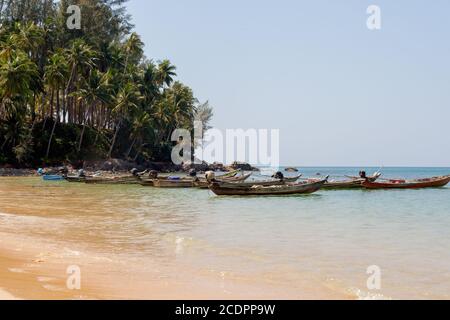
(75, 179)
(286, 189)
(266, 183)
(435, 182)
(353, 183)
(293, 179)
(113, 180)
(202, 183)
(150, 182)
(167, 183)
(235, 178)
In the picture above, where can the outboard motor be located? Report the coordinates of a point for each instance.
(134, 172)
(279, 175)
(363, 175)
(192, 173)
(153, 174)
(81, 173)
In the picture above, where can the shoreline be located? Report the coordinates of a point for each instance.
(29, 273)
(33, 264)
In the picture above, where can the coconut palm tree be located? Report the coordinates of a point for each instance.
(166, 73)
(56, 73)
(126, 101)
(80, 57)
(17, 74)
(93, 91)
(142, 127)
(28, 37)
(133, 49)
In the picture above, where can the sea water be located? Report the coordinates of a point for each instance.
(307, 246)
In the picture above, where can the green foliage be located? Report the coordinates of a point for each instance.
(68, 95)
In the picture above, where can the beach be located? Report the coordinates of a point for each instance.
(134, 242)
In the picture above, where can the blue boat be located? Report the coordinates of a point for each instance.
(52, 178)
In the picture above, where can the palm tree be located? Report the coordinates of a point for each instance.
(142, 127)
(126, 101)
(80, 57)
(29, 37)
(133, 49)
(56, 73)
(149, 85)
(94, 91)
(166, 73)
(16, 77)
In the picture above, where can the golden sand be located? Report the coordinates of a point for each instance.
(55, 228)
(29, 274)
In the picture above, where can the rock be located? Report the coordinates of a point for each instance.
(243, 166)
(203, 166)
(291, 170)
(216, 166)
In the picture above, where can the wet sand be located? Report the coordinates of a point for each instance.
(31, 274)
(124, 251)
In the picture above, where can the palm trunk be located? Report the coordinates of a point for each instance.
(137, 155)
(82, 131)
(114, 139)
(52, 98)
(69, 84)
(131, 148)
(81, 137)
(50, 140)
(58, 111)
(139, 150)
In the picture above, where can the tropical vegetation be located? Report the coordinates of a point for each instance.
(89, 93)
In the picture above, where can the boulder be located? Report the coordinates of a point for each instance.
(243, 166)
(203, 166)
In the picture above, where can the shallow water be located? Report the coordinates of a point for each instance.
(291, 244)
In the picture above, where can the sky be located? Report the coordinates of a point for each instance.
(340, 94)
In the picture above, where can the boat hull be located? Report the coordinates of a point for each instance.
(204, 184)
(116, 180)
(354, 183)
(173, 183)
(252, 183)
(344, 185)
(292, 189)
(75, 179)
(437, 182)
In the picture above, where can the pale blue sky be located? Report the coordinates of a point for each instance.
(340, 94)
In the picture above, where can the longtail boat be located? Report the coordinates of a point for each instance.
(266, 183)
(435, 182)
(75, 179)
(286, 189)
(202, 183)
(150, 182)
(352, 183)
(168, 183)
(113, 180)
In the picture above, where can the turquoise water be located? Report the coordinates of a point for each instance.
(311, 246)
